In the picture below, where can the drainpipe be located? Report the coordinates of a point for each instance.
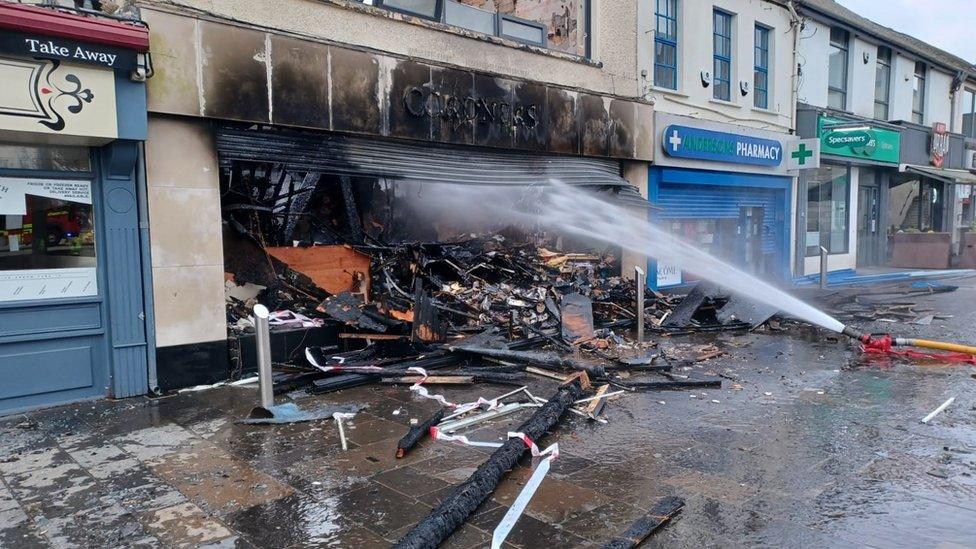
(957, 83)
(147, 287)
(797, 23)
(796, 264)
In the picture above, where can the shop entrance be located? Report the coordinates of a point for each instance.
(869, 233)
(751, 239)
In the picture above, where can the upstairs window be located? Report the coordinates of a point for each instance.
(558, 26)
(722, 55)
(837, 69)
(428, 9)
(666, 44)
(918, 94)
(760, 85)
(882, 83)
(969, 113)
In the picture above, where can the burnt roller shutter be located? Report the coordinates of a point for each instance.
(354, 156)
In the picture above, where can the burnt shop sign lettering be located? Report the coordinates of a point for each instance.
(424, 103)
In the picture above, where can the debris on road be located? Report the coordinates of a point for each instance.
(659, 515)
(938, 410)
(468, 496)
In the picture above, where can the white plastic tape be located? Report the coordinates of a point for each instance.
(518, 506)
(437, 434)
(339, 366)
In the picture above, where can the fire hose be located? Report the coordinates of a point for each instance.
(883, 344)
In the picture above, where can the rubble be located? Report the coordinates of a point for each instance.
(659, 515)
(462, 502)
(466, 310)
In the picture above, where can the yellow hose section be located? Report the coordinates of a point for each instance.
(941, 345)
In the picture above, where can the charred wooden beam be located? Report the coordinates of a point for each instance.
(549, 360)
(670, 385)
(417, 433)
(466, 498)
(659, 515)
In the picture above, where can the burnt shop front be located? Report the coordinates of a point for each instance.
(72, 118)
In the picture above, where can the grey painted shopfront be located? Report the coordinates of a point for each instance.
(72, 301)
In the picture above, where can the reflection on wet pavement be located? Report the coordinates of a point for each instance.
(808, 445)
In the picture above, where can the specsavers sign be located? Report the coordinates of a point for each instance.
(853, 140)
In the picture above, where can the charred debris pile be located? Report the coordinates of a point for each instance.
(372, 295)
(357, 276)
(491, 309)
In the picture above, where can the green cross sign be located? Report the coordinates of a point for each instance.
(801, 154)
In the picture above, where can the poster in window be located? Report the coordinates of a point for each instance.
(47, 239)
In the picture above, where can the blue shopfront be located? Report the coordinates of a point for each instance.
(73, 305)
(725, 189)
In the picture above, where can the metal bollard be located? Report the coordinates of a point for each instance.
(641, 278)
(823, 268)
(262, 339)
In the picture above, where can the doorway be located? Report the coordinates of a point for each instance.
(869, 234)
(751, 239)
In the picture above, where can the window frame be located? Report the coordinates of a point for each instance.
(922, 80)
(880, 63)
(846, 48)
(767, 32)
(666, 42)
(718, 59)
(972, 112)
(91, 175)
(824, 231)
(438, 10)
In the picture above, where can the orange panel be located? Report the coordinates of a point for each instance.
(331, 268)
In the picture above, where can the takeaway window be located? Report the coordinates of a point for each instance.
(969, 113)
(760, 98)
(882, 83)
(837, 69)
(828, 207)
(918, 94)
(722, 55)
(17, 156)
(47, 239)
(666, 44)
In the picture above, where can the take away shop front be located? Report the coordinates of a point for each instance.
(72, 116)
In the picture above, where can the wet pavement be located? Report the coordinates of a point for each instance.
(806, 444)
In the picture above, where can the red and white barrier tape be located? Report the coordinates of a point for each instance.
(518, 506)
(458, 408)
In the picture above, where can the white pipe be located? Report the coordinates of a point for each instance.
(936, 412)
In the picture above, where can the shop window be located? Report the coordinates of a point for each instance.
(16, 156)
(882, 83)
(837, 69)
(47, 239)
(760, 97)
(918, 94)
(722, 55)
(828, 209)
(969, 113)
(916, 205)
(666, 44)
